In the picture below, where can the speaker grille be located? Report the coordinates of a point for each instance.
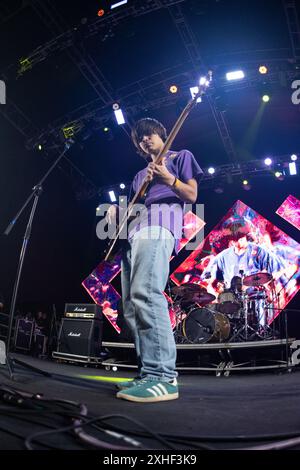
(82, 337)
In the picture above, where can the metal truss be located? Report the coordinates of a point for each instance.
(151, 93)
(65, 37)
(83, 61)
(226, 174)
(7, 12)
(190, 43)
(293, 26)
(17, 118)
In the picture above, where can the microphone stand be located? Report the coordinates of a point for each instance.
(36, 192)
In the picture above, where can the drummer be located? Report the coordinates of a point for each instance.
(242, 257)
(236, 285)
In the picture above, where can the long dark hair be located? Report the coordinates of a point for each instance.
(147, 126)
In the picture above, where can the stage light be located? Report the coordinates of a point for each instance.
(40, 147)
(112, 196)
(122, 186)
(194, 90)
(292, 168)
(211, 170)
(266, 98)
(173, 89)
(294, 157)
(263, 69)
(119, 116)
(279, 175)
(118, 4)
(202, 80)
(105, 129)
(101, 12)
(68, 132)
(115, 106)
(26, 64)
(268, 161)
(245, 182)
(236, 75)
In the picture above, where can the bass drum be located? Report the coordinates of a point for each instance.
(204, 326)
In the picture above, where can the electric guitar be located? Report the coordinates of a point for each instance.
(114, 243)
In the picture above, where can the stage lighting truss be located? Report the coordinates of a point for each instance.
(216, 177)
(151, 93)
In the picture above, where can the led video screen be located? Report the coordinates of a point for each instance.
(246, 246)
(290, 211)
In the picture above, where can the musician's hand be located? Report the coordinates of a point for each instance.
(111, 214)
(160, 172)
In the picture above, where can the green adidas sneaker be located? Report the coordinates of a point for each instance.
(150, 391)
(128, 383)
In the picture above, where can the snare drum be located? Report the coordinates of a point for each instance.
(203, 326)
(228, 303)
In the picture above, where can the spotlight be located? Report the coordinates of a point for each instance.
(292, 168)
(122, 186)
(105, 129)
(40, 147)
(279, 175)
(202, 80)
(211, 170)
(236, 75)
(173, 89)
(119, 116)
(263, 69)
(246, 185)
(268, 161)
(266, 98)
(294, 157)
(115, 106)
(112, 196)
(100, 12)
(118, 4)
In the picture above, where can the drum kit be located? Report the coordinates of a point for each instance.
(239, 314)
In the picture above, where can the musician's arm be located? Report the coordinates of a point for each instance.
(186, 191)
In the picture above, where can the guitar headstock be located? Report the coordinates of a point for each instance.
(204, 83)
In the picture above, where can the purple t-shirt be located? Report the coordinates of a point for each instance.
(163, 207)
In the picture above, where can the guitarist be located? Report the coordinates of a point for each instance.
(145, 263)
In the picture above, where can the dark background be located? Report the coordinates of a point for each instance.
(63, 247)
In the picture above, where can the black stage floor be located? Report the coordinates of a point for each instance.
(240, 411)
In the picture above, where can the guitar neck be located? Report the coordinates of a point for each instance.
(169, 141)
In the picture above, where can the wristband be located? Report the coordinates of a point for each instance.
(175, 184)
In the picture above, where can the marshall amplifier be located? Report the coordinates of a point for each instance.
(24, 334)
(83, 311)
(80, 336)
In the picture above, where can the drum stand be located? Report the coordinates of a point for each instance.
(245, 332)
(178, 333)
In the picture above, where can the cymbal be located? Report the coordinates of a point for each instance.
(203, 299)
(257, 279)
(187, 289)
(193, 293)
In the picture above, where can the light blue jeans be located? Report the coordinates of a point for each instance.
(145, 271)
